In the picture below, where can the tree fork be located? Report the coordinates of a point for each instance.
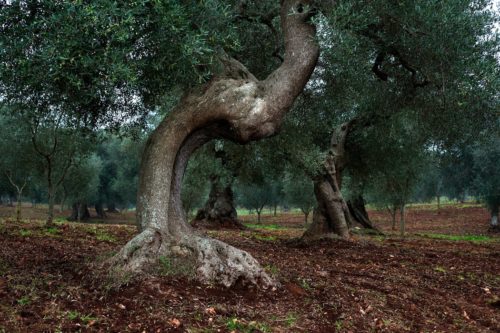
(235, 106)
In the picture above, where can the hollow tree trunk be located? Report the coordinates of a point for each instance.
(358, 212)
(332, 214)
(219, 209)
(235, 106)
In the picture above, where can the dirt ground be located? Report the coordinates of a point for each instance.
(369, 284)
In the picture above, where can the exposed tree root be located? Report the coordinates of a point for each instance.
(205, 259)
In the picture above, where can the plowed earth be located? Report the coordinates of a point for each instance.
(370, 284)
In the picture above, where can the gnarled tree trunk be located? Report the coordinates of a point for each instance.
(79, 212)
(331, 217)
(219, 210)
(236, 106)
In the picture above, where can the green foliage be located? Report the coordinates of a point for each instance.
(255, 196)
(486, 182)
(462, 238)
(75, 316)
(25, 300)
(88, 58)
(118, 177)
(82, 181)
(299, 192)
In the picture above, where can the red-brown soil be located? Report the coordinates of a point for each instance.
(370, 284)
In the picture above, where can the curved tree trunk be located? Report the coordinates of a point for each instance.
(332, 214)
(219, 210)
(236, 106)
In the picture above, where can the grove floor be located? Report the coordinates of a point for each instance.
(427, 282)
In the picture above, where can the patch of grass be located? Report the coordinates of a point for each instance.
(87, 319)
(264, 226)
(72, 315)
(25, 300)
(478, 239)
(25, 233)
(51, 232)
(60, 220)
(176, 266)
(291, 319)
(272, 269)
(101, 234)
(75, 315)
(265, 238)
(305, 284)
(106, 237)
(440, 269)
(235, 324)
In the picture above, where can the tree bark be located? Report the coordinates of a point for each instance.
(259, 212)
(79, 212)
(219, 210)
(306, 215)
(235, 106)
(359, 214)
(99, 209)
(332, 214)
(402, 220)
(50, 211)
